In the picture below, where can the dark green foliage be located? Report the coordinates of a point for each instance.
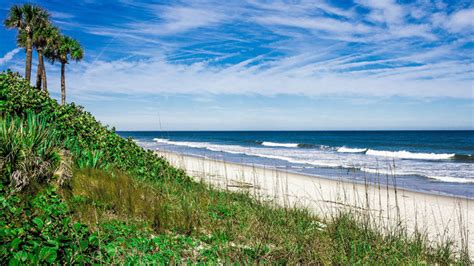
(28, 151)
(90, 159)
(37, 229)
(81, 133)
(136, 245)
(126, 205)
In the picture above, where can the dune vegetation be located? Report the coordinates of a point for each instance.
(73, 191)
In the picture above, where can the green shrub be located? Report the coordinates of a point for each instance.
(37, 229)
(80, 132)
(90, 159)
(28, 150)
(139, 209)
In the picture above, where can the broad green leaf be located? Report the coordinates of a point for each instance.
(39, 223)
(15, 243)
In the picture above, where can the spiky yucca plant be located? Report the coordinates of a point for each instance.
(28, 151)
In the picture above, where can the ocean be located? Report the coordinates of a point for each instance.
(437, 162)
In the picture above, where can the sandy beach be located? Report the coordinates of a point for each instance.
(440, 217)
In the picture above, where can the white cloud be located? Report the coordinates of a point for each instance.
(461, 20)
(385, 21)
(326, 77)
(315, 23)
(384, 62)
(418, 13)
(178, 20)
(413, 30)
(8, 56)
(384, 11)
(301, 8)
(458, 22)
(61, 15)
(438, 19)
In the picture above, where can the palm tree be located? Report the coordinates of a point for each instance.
(64, 49)
(27, 18)
(42, 38)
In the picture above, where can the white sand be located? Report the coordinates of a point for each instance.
(440, 217)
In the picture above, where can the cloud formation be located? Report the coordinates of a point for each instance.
(461, 20)
(376, 48)
(8, 56)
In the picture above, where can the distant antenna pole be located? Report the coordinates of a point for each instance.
(159, 121)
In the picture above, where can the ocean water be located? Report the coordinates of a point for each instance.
(438, 162)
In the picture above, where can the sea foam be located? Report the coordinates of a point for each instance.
(350, 150)
(276, 144)
(278, 151)
(410, 155)
(452, 179)
(449, 179)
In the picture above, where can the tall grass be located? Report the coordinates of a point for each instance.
(111, 195)
(237, 228)
(116, 185)
(359, 231)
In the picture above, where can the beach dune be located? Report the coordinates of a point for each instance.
(440, 217)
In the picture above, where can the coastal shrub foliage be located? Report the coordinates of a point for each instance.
(91, 143)
(37, 229)
(28, 151)
(116, 203)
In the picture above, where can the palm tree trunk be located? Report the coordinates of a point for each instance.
(63, 84)
(45, 84)
(39, 71)
(29, 55)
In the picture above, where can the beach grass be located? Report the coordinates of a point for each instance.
(122, 204)
(234, 227)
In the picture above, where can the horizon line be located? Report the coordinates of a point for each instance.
(295, 130)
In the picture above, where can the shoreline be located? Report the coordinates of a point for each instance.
(440, 176)
(441, 217)
(407, 189)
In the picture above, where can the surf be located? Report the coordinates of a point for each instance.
(410, 155)
(277, 144)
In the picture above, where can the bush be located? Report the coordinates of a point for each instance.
(37, 229)
(28, 151)
(139, 209)
(80, 132)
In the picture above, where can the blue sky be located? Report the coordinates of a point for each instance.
(242, 65)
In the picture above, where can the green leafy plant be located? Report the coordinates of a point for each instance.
(126, 205)
(91, 159)
(80, 132)
(28, 151)
(36, 229)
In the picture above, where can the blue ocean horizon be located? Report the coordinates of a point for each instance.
(430, 161)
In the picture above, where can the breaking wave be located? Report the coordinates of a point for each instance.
(449, 179)
(452, 179)
(277, 144)
(350, 150)
(278, 151)
(410, 155)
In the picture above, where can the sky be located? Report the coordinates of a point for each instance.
(265, 65)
